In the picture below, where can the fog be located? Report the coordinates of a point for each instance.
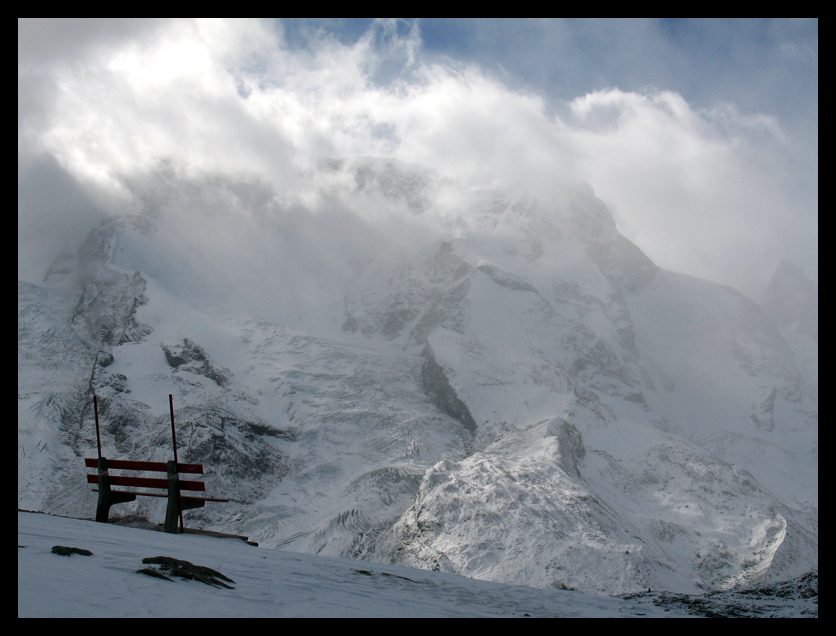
(218, 130)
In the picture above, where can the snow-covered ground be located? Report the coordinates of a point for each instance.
(268, 583)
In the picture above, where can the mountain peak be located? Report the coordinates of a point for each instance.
(792, 298)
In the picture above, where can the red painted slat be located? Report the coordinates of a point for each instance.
(137, 492)
(192, 469)
(154, 494)
(207, 499)
(118, 480)
(123, 464)
(147, 482)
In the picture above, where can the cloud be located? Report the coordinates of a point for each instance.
(701, 190)
(695, 189)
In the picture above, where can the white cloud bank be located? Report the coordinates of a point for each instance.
(705, 192)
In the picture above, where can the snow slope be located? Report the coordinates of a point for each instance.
(267, 583)
(275, 583)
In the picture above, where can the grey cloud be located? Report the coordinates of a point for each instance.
(49, 40)
(258, 111)
(53, 210)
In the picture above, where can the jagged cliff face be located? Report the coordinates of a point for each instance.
(69, 350)
(517, 394)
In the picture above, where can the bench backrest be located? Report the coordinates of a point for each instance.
(146, 482)
(159, 467)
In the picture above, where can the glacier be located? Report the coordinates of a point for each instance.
(479, 383)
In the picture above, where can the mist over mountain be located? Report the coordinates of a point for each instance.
(392, 366)
(791, 299)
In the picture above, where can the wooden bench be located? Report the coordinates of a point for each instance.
(171, 484)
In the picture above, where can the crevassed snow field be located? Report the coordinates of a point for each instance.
(268, 583)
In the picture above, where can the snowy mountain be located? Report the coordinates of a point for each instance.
(401, 370)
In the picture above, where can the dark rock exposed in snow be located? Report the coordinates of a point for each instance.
(437, 386)
(106, 312)
(190, 356)
(67, 551)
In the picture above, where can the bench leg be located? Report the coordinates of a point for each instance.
(171, 514)
(172, 511)
(176, 502)
(108, 498)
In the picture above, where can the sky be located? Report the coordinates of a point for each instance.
(700, 135)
